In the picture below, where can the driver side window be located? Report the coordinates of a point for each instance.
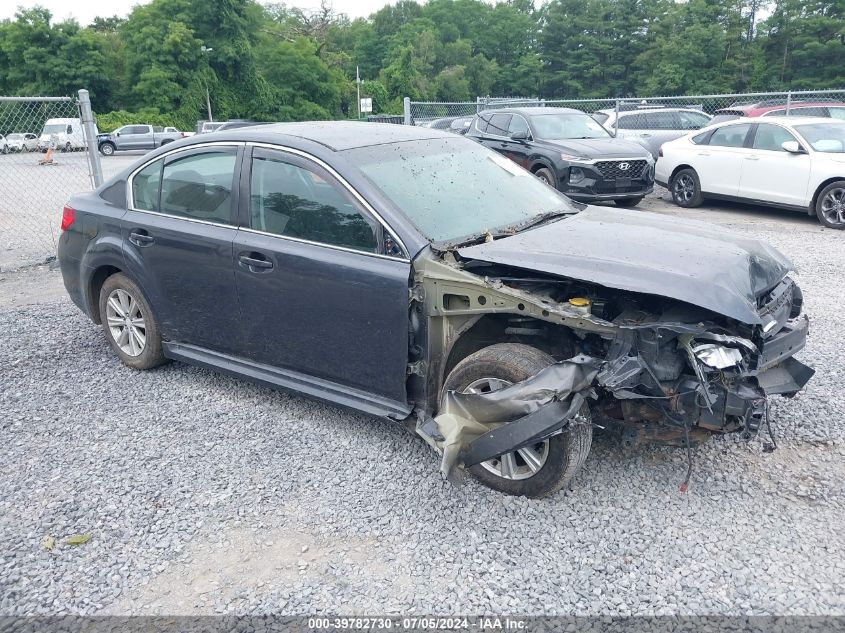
(291, 200)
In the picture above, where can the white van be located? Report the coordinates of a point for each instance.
(62, 134)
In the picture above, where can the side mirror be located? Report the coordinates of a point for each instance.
(520, 135)
(792, 147)
(117, 133)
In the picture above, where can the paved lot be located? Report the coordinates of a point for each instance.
(32, 197)
(205, 494)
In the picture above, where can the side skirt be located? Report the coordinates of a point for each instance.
(286, 380)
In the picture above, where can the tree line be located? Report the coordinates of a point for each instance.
(277, 62)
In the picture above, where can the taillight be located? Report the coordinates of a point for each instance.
(67, 218)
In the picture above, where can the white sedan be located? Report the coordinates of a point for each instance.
(26, 142)
(795, 163)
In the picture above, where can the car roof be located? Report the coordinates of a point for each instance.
(338, 135)
(531, 110)
(800, 120)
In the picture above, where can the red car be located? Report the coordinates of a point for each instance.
(834, 109)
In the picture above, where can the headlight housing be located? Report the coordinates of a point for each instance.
(717, 356)
(574, 158)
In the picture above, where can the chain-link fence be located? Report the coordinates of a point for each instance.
(44, 159)
(632, 115)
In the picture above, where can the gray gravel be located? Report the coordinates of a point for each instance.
(205, 494)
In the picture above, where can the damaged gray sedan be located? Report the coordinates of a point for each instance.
(415, 275)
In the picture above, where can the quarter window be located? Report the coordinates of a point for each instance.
(730, 135)
(293, 201)
(770, 137)
(145, 187)
(199, 186)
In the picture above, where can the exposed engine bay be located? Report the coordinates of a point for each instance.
(661, 370)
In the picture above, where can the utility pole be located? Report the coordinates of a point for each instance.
(204, 49)
(358, 89)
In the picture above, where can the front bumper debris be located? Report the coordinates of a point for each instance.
(472, 428)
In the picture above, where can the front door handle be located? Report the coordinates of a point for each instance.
(752, 158)
(255, 262)
(704, 153)
(139, 237)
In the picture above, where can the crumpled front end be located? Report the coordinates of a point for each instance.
(654, 369)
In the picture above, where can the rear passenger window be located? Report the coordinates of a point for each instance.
(630, 122)
(730, 135)
(145, 186)
(199, 186)
(661, 121)
(499, 124)
(290, 200)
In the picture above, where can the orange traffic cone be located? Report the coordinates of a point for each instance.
(48, 159)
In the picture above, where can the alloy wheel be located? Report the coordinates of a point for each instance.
(521, 464)
(683, 189)
(833, 206)
(126, 322)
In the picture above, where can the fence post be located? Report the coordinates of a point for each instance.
(616, 119)
(95, 170)
(406, 106)
(788, 102)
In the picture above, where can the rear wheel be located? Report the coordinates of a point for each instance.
(129, 324)
(629, 202)
(537, 470)
(830, 205)
(546, 176)
(686, 189)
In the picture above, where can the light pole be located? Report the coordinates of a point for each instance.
(205, 49)
(358, 90)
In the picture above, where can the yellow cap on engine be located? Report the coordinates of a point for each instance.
(579, 302)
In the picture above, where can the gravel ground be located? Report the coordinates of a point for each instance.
(205, 494)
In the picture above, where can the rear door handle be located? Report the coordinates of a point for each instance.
(255, 262)
(752, 158)
(704, 153)
(139, 237)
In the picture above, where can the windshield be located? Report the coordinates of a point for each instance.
(15, 137)
(455, 188)
(824, 137)
(56, 128)
(554, 127)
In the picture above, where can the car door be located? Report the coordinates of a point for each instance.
(177, 239)
(518, 150)
(495, 135)
(769, 172)
(718, 161)
(319, 295)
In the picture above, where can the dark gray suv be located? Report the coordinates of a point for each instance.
(570, 151)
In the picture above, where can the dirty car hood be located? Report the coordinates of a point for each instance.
(643, 252)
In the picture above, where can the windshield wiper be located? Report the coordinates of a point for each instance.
(505, 231)
(540, 218)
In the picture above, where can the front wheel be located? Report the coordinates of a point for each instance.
(629, 202)
(545, 175)
(129, 324)
(107, 149)
(686, 189)
(830, 205)
(537, 470)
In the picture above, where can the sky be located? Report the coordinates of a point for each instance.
(86, 10)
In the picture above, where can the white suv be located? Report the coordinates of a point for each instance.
(794, 163)
(651, 126)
